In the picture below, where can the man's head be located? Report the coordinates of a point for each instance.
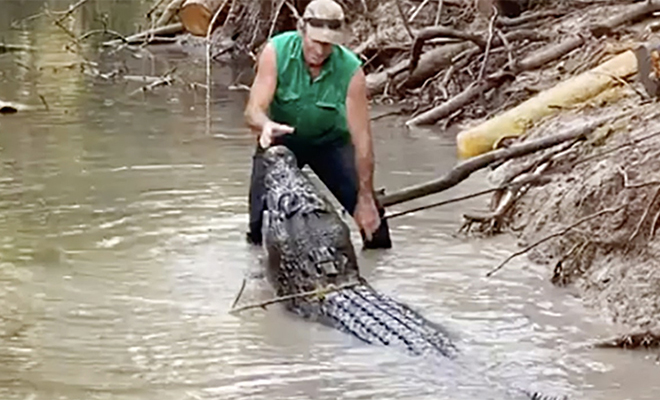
(322, 26)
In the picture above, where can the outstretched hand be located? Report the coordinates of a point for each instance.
(366, 215)
(272, 130)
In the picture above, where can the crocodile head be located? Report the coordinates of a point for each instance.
(308, 244)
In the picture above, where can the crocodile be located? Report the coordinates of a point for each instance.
(312, 263)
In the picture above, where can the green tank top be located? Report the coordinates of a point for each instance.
(316, 108)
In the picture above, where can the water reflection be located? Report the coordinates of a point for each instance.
(121, 245)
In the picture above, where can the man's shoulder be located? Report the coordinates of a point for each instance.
(347, 57)
(284, 38)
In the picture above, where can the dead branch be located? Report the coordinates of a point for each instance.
(634, 13)
(318, 292)
(460, 100)
(560, 233)
(523, 181)
(240, 293)
(417, 10)
(489, 44)
(140, 37)
(525, 167)
(464, 169)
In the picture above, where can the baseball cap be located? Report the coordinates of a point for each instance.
(324, 21)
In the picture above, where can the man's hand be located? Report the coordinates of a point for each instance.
(366, 215)
(272, 130)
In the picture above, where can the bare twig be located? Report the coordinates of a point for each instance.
(403, 18)
(317, 292)
(560, 233)
(654, 224)
(439, 13)
(417, 10)
(626, 182)
(507, 46)
(644, 215)
(489, 43)
(277, 14)
(44, 102)
(240, 293)
(70, 10)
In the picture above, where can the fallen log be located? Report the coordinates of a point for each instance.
(634, 13)
(196, 15)
(464, 169)
(516, 121)
(166, 30)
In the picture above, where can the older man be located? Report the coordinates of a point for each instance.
(310, 95)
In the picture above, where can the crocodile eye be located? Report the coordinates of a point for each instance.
(319, 270)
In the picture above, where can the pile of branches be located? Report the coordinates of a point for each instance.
(461, 59)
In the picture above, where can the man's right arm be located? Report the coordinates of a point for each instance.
(263, 90)
(261, 94)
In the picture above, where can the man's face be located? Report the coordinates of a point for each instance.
(316, 52)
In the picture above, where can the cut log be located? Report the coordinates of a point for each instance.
(516, 121)
(196, 15)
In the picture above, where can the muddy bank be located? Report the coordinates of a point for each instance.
(610, 258)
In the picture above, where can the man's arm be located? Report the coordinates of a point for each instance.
(262, 91)
(359, 124)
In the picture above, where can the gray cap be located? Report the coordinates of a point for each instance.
(324, 20)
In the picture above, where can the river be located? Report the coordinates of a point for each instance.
(122, 223)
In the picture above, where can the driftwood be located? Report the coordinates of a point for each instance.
(144, 36)
(464, 169)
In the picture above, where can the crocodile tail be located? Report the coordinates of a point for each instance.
(378, 319)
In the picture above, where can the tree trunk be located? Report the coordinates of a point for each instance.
(196, 15)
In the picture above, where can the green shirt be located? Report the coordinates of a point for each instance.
(316, 108)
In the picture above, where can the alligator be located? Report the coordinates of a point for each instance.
(312, 263)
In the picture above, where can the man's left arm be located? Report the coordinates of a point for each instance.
(359, 124)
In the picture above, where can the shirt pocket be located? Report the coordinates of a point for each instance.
(326, 116)
(287, 108)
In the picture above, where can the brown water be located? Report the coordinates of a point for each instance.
(122, 248)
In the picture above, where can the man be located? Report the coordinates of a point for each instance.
(310, 94)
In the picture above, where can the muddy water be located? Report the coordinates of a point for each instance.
(122, 248)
